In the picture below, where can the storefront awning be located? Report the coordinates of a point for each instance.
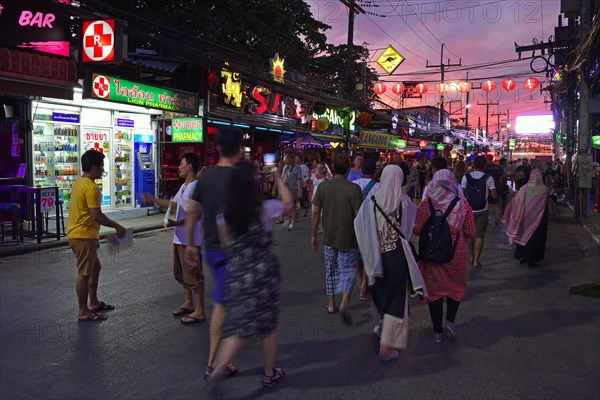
(323, 137)
(32, 74)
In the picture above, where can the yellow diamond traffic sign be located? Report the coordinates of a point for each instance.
(390, 59)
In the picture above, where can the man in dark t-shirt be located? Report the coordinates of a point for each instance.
(207, 202)
(337, 202)
(496, 172)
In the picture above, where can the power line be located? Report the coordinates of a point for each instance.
(415, 32)
(474, 5)
(428, 30)
(395, 41)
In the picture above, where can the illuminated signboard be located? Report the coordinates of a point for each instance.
(118, 90)
(277, 68)
(98, 41)
(232, 87)
(41, 25)
(390, 59)
(186, 130)
(264, 101)
(535, 124)
(335, 117)
(379, 140)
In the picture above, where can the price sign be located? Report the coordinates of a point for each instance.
(48, 199)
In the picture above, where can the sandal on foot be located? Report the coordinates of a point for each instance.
(182, 311)
(93, 317)
(188, 319)
(278, 375)
(331, 310)
(103, 307)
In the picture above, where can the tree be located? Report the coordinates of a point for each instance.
(259, 27)
(255, 28)
(332, 66)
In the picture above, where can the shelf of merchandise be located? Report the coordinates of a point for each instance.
(123, 168)
(170, 181)
(56, 157)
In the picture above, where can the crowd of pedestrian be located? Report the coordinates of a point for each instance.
(364, 213)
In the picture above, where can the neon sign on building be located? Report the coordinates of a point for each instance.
(335, 117)
(266, 101)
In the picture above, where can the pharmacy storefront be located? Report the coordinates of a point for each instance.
(63, 130)
(113, 116)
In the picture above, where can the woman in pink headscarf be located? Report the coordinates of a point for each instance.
(526, 220)
(449, 279)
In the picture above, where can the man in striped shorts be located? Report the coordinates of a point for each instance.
(338, 200)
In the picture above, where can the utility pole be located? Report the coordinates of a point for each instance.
(442, 67)
(583, 185)
(508, 134)
(487, 105)
(353, 9)
(498, 115)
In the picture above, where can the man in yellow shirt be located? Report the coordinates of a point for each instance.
(83, 232)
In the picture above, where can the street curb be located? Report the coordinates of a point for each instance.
(17, 250)
(591, 229)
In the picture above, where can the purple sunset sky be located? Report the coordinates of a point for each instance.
(478, 31)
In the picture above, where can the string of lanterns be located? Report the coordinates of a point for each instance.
(464, 87)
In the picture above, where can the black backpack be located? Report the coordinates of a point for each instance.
(477, 192)
(435, 241)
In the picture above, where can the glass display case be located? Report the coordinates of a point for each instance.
(99, 139)
(123, 166)
(56, 156)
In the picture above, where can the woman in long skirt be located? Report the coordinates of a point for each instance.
(526, 220)
(381, 226)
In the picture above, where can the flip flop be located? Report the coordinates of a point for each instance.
(182, 311)
(335, 310)
(188, 319)
(93, 317)
(104, 307)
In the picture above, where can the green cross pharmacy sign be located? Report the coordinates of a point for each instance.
(109, 88)
(186, 130)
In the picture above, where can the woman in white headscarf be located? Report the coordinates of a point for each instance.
(383, 225)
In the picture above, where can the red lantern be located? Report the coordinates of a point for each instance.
(422, 143)
(489, 86)
(464, 87)
(532, 83)
(398, 88)
(379, 88)
(442, 88)
(508, 85)
(421, 88)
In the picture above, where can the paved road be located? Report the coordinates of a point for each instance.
(522, 336)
